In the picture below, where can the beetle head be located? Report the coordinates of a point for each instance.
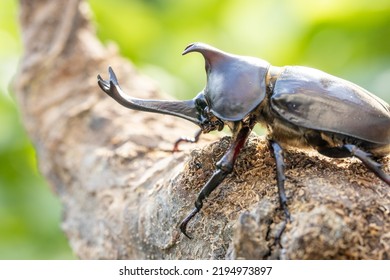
(235, 84)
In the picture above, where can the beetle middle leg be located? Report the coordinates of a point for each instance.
(280, 179)
(349, 150)
(224, 167)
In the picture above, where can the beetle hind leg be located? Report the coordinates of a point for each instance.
(349, 150)
(368, 162)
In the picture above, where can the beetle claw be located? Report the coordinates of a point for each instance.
(183, 229)
(183, 224)
(185, 233)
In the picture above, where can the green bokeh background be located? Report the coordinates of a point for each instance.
(347, 38)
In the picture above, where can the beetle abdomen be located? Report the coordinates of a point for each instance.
(314, 99)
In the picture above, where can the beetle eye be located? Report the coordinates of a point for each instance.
(200, 102)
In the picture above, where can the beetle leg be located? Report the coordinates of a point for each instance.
(186, 139)
(212, 183)
(349, 150)
(368, 162)
(224, 167)
(280, 178)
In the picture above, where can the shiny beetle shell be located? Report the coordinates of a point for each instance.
(236, 85)
(314, 99)
(233, 92)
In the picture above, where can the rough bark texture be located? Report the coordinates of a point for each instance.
(124, 193)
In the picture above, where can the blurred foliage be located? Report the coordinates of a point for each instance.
(29, 212)
(347, 38)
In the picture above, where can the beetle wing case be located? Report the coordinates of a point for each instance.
(314, 99)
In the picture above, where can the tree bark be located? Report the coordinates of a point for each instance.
(124, 193)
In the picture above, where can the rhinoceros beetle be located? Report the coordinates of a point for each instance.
(300, 107)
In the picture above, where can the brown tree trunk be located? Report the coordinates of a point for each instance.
(124, 193)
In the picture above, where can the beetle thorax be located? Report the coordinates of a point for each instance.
(235, 87)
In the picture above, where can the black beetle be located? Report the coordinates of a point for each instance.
(300, 106)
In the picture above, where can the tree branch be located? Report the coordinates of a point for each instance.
(124, 193)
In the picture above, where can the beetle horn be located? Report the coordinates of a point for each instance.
(210, 54)
(183, 109)
(202, 48)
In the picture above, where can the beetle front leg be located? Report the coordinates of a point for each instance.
(213, 182)
(186, 139)
(224, 167)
